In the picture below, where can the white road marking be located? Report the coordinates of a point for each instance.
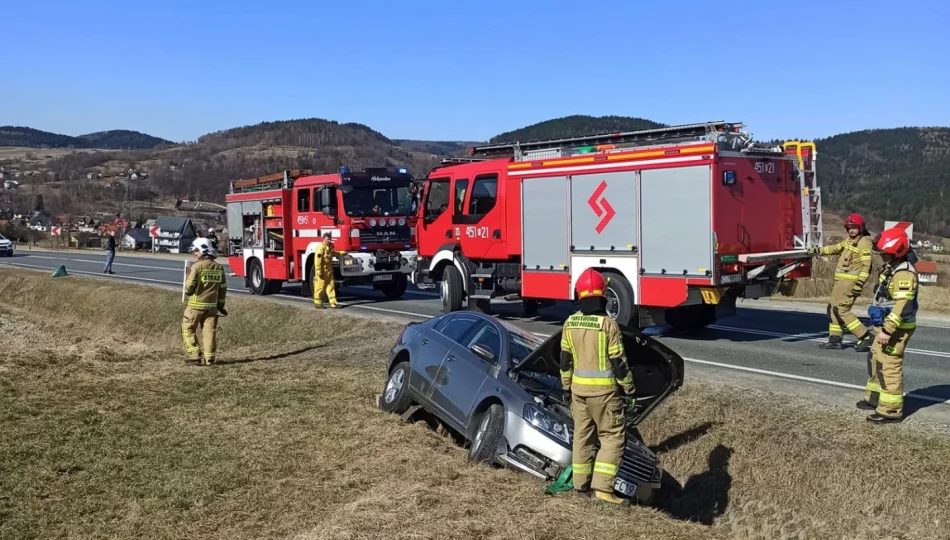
(103, 263)
(813, 337)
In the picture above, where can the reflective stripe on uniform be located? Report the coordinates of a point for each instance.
(834, 327)
(582, 468)
(589, 381)
(873, 386)
(843, 275)
(891, 399)
(853, 324)
(605, 468)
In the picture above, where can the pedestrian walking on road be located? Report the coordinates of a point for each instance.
(206, 288)
(594, 372)
(894, 316)
(323, 273)
(851, 272)
(110, 252)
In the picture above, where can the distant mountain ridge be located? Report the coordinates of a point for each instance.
(899, 174)
(117, 139)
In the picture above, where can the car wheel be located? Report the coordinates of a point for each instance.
(451, 289)
(487, 435)
(396, 398)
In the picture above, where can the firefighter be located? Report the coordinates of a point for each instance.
(894, 317)
(851, 272)
(593, 372)
(213, 238)
(206, 288)
(323, 273)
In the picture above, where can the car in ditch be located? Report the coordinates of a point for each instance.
(499, 387)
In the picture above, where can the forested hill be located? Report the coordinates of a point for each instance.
(306, 133)
(897, 174)
(119, 139)
(575, 126)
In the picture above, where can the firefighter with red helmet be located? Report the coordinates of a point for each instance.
(851, 273)
(894, 317)
(594, 371)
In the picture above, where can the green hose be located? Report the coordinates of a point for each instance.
(563, 483)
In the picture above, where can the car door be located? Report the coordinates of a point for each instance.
(440, 341)
(464, 372)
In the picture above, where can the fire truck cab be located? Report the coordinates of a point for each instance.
(276, 222)
(682, 220)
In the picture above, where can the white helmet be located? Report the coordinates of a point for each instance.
(203, 246)
(211, 230)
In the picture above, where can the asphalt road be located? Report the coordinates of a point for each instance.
(770, 346)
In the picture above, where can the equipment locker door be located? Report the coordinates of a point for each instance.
(676, 221)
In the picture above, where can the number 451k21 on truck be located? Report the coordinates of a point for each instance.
(683, 220)
(275, 223)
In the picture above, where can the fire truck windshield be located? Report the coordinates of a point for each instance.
(378, 201)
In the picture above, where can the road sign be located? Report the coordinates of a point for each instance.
(54, 230)
(908, 227)
(153, 231)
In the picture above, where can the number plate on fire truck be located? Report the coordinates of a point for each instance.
(383, 277)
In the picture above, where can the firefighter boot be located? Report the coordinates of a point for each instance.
(834, 342)
(865, 406)
(876, 418)
(863, 344)
(609, 497)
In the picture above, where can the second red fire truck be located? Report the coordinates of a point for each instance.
(683, 220)
(275, 222)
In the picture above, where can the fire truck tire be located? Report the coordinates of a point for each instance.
(691, 318)
(306, 287)
(255, 276)
(619, 288)
(273, 286)
(397, 288)
(530, 306)
(451, 289)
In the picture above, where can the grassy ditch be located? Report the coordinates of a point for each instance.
(107, 433)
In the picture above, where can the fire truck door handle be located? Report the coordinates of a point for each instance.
(497, 234)
(448, 233)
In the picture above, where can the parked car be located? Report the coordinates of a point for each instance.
(6, 246)
(499, 387)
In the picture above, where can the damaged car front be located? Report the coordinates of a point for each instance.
(538, 434)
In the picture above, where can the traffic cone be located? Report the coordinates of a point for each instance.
(60, 272)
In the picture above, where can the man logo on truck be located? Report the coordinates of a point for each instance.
(596, 202)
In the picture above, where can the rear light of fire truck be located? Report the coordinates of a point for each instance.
(730, 271)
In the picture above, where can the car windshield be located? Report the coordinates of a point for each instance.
(521, 343)
(378, 201)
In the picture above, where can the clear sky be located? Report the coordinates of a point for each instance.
(469, 70)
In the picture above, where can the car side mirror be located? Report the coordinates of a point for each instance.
(483, 352)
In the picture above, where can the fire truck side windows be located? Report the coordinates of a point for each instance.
(484, 195)
(461, 187)
(437, 200)
(303, 200)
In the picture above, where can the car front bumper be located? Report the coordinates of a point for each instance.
(536, 453)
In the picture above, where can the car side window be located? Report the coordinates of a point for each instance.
(455, 327)
(487, 336)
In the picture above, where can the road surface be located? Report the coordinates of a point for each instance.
(771, 346)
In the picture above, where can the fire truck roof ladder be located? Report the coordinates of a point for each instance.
(281, 180)
(805, 164)
(643, 137)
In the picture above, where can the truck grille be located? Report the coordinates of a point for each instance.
(639, 465)
(384, 235)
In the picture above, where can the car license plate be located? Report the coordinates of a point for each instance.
(382, 277)
(627, 488)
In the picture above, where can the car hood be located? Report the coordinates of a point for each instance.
(657, 370)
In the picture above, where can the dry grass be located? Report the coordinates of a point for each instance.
(108, 434)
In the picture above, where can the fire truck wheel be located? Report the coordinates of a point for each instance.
(530, 306)
(397, 288)
(306, 286)
(451, 289)
(620, 303)
(255, 273)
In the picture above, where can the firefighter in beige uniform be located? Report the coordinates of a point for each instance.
(851, 272)
(323, 273)
(593, 370)
(894, 316)
(206, 288)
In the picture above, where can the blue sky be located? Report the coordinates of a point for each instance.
(469, 70)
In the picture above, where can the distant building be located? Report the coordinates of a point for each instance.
(175, 234)
(927, 271)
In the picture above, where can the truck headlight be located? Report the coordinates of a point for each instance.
(546, 422)
(349, 262)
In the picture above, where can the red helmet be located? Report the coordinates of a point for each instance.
(854, 220)
(590, 283)
(892, 241)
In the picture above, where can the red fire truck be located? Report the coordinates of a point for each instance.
(683, 220)
(275, 222)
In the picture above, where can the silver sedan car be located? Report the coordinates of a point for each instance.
(499, 388)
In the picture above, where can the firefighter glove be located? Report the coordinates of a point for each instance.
(813, 251)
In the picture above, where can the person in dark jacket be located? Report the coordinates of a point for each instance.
(110, 252)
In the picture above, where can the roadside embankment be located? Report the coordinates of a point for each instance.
(107, 433)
